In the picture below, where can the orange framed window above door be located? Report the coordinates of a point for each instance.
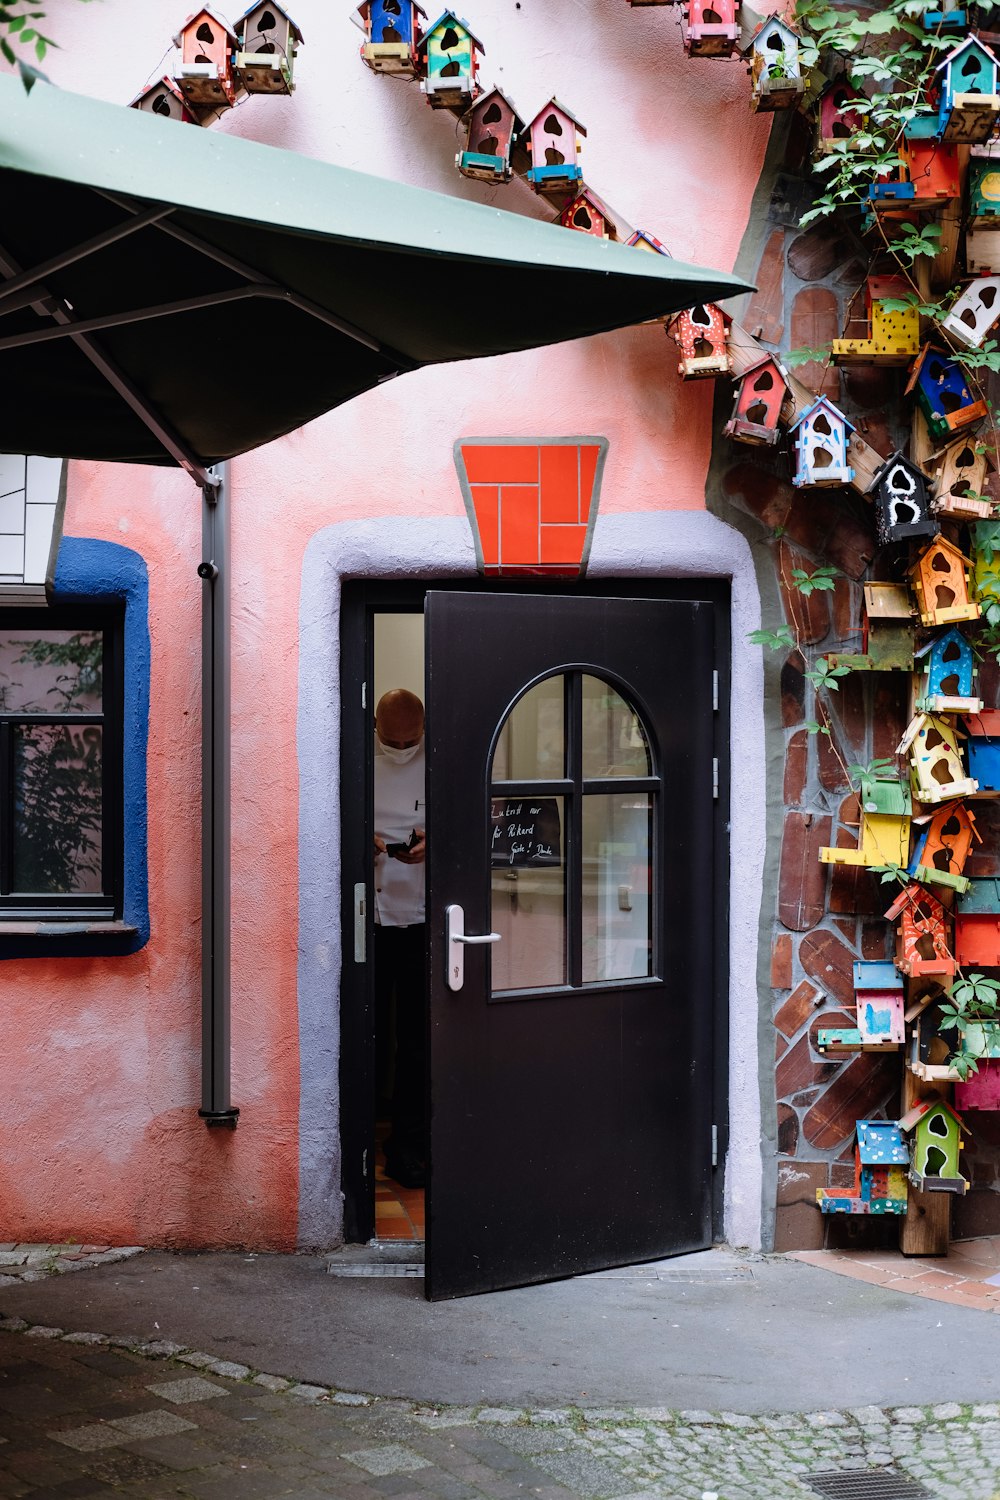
(532, 502)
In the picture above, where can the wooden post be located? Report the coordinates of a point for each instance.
(925, 1228)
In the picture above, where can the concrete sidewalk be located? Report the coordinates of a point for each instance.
(715, 1331)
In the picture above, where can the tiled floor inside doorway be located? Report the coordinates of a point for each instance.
(399, 1211)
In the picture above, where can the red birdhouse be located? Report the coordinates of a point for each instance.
(922, 937)
(588, 214)
(712, 28)
(760, 396)
(837, 120)
(702, 335)
(205, 72)
(493, 124)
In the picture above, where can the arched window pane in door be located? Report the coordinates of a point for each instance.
(572, 873)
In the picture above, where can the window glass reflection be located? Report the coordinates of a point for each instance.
(531, 746)
(614, 741)
(617, 876)
(528, 885)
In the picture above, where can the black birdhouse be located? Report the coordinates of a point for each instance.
(902, 504)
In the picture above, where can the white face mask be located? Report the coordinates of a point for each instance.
(400, 757)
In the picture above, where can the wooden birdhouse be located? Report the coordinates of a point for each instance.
(902, 504)
(936, 770)
(959, 475)
(884, 839)
(880, 1159)
(950, 676)
(950, 20)
(205, 73)
(941, 583)
(821, 438)
(968, 83)
(982, 236)
(943, 847)
(977, 924)
(928, 1053)
(922, 936)
(492, 124)
(888, 629)
(711, 28)
(702, 335)
(942, 394)
(760, 395)
(448, 52)
(878, 995)
(589, 214)
(981, 1090)
(932, 168)
(983, 730)
(164, 98)
(937, 1140)
(391, 29)
(881, 337)
(641, 239)
(975, 312)
(265, 56)
(837, 120)
(776, 80)
(554, 143)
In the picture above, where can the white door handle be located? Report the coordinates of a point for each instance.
(456, 941)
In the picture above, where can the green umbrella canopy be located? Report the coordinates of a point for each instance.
(231, 292)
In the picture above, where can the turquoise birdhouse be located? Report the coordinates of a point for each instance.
(449, 56)
(950, 675)
(969, 97)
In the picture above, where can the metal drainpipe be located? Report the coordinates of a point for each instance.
(214, 571)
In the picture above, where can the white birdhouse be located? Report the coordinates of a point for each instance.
(975, 312)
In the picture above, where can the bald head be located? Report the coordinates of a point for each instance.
(399, 719)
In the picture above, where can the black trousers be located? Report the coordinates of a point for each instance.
(401, 973)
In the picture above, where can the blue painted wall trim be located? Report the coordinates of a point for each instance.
(97, 572)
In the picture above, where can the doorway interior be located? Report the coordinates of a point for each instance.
(382, 638)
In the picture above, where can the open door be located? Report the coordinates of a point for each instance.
(569, 799)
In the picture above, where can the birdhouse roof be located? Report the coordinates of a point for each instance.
(213, 15)
(495, 93)
(880, 975)
(970, 41)
(271, 5)
(588, 196)
(880, 1144)
(879, 287)
(364, 9)
(646, 238)
(450, 16)
(888, 601)
(915, 895)
(985, 724)
(167, 82)
(898, 459)
(940, 543)
(982, 899)
(940, 640)
(766, 359)
(924, 1107)
(833, 411)
(554, 104)
(771, 23)
(708, 306)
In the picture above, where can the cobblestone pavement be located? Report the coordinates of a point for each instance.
(83, 1416)
(35, 1262)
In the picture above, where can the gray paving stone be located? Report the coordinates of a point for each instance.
(94, 1339)
(40, 1331)
(498, 1415)
(350, 1398)
(191, 1388)
(308, 1392)
(451, 1416)
(228, 1369)
(149, 1424)
(390, 1458)
(272, 1382)
(88, 1439)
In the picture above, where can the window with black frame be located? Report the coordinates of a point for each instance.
(60, 764)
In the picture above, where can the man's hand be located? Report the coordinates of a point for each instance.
(379, 846)
(417, 852)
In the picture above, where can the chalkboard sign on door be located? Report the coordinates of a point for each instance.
(525, 832)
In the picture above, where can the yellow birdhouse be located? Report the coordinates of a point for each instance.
(888, 338)
(936, 770)
(885, 826)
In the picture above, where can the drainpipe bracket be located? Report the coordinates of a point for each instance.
(228, 1117)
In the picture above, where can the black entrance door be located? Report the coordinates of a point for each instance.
(570, 787)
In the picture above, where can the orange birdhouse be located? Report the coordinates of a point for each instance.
(940, 581)
(760, 395)
(588, 214)
(943, 849)
(702, 335)
(205, 72)
(922, 936)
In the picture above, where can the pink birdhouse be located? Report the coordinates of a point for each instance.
(554, 143)
(164, 98)
(760, 396)
(589, 214)
(205, 72)
(702, 335)
(837, 120)
(712, 28)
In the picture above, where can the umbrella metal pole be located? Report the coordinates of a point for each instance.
(214, 571)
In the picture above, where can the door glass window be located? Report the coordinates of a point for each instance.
(573, 805)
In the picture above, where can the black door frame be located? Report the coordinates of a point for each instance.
(361, 600)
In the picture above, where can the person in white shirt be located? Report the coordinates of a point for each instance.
(400, 925)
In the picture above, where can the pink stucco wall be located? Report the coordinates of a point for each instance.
(100, 1109)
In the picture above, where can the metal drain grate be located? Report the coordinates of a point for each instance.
(867, 1484)
(385, 1268)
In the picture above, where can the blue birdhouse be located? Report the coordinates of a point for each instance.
(880, 1157)
(983, 729)
(950, 676)
(821, 439)
(969, 101)
(942, 394)
(391, 28)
